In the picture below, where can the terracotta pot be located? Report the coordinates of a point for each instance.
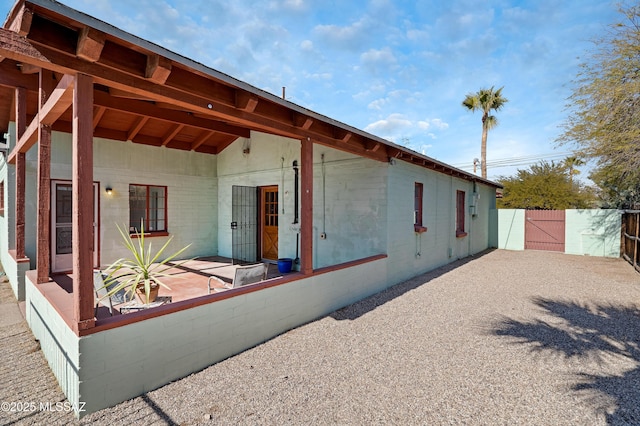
(153, 293)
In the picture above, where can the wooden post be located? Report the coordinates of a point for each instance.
(82, 184)
(21, 125)
(43, 244)
(306, 201)
(635, 241)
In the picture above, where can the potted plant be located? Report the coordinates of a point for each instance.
(141, 273)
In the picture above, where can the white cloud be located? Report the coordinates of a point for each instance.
(439, 124)
(351, 37)
(376, 57)
(436, 123)
(389, 125)
(377, 104)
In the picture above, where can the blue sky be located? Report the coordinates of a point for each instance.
(397, 69)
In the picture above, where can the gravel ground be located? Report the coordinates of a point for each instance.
(505, 338)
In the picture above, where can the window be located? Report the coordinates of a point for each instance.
(2, 198)
(460, 195)
(417, 208)
(149, 204)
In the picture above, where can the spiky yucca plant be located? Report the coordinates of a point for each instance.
(142, 269)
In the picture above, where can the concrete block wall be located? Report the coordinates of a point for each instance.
(593, 232)
(58, 343)
(15, 270)
(268, 162)
(124, 362)
(350, 208)
(352, 212)
(411, 254)
(511, 229)
(190, 179)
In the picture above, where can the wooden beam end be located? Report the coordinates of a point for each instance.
(246, 101)
(158, 69)
(90, 44)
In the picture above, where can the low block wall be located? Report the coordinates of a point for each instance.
(15, 271)
(591, 232)
(111, 366)
(58, 342)
(511, 229)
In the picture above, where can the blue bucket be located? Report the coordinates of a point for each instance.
(284, 265)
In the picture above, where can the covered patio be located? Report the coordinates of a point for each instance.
(187, 281)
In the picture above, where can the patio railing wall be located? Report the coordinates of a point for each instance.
(631, 237)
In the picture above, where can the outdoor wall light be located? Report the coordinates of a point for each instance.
(109, 190)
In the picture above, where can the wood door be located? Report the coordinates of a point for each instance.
(269, 222)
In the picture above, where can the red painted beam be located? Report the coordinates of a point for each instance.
(56, 104)
(43, 243)
(306, 201)
(82, 193)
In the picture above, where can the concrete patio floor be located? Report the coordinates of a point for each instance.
(501, 338)
(186, 281)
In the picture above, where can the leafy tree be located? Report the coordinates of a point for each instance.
(545, 186)
(604, 112)
(485, 100)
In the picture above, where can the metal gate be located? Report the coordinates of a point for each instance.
(244, 224)
(544, 230)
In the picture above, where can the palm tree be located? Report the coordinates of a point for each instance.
(571, 163)
(485, 100)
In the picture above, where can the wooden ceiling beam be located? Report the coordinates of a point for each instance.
(179, 117)
(58, 102)
(210, 102)
(201, 139)
(168, 137)
(221, 146)
(21, 49)
(98, 112)
(101, 132)
(302, 121)
(147, 140)
(372, 146)
(127, 95)
(135, 129)
(246, 101)
(90, 44)
(10, 76)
